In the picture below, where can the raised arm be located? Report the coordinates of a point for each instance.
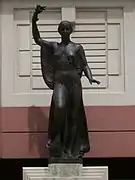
(35, 32)
(86, 68)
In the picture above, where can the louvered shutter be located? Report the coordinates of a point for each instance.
(100, 31)
(90, 31)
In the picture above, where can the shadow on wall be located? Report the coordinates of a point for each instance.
(38, 126)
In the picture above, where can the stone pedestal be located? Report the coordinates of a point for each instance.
(68, 171)
(65, 168)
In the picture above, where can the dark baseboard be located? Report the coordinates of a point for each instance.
(119, 168)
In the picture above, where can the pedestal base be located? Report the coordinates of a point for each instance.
(65, 161)
(65, 167)
(87, 173)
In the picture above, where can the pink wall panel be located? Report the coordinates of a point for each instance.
(35, 119)
(24, 119)
(112, 144)
(0, 135)
(104, 144)
(24, 145)
(110, 118)
(23, 131)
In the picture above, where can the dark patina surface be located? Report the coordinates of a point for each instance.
(62, 67)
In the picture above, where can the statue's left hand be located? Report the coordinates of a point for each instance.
(94, 81)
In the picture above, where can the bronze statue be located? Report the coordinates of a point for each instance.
(62, 66)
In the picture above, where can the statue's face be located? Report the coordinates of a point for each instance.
(65, 30)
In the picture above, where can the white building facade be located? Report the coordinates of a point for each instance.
(106, 29)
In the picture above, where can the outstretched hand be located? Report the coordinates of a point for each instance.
(40, 9)
(94, 81)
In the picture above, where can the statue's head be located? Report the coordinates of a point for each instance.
(65, 28)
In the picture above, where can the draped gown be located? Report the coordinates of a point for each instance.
(62, 68)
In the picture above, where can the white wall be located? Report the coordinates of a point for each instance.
(117, 87)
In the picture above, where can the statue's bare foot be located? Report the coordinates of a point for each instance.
(48, 145)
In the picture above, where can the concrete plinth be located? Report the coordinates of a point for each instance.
(87, 173)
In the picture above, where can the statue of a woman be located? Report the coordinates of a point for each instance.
(62, 65)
